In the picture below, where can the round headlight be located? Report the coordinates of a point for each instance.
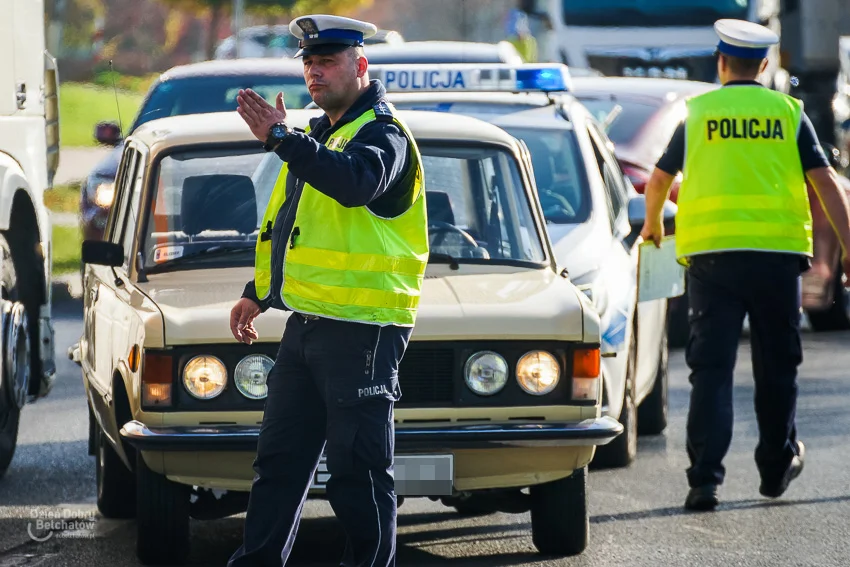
(251, 374)
(205, 377)
(486, 373)
(538, 372)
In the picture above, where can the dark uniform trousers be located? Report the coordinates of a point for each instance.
(722, 288)
(332, 381)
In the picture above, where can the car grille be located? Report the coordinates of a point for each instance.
(426, 376)
(693, 68)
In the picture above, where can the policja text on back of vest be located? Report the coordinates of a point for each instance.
(745, 128)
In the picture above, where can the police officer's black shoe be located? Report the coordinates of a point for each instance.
(777, 489)
(702, 498)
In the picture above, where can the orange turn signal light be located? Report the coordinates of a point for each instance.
(586, 363)
(134, 358)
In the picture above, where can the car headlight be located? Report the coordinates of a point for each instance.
(538, 372)
(486, 373)
(205, 377)
(251, 374)
(104, 194)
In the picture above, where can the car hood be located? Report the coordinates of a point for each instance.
(456, 305)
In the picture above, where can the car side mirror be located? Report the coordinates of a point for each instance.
(102, 253)
(107, 133)
(637, 215)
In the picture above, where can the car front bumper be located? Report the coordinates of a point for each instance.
(590, 432)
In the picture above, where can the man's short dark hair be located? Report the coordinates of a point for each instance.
(742, 65)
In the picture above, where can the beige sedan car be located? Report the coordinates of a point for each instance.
(500, 384)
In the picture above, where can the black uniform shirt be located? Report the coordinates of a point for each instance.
(373, 170)
(811, 153)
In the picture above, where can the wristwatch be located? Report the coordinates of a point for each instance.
(277, 133)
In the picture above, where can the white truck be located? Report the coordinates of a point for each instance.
(651, 38)
(29, 156)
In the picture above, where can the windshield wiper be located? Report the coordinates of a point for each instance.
(444, 259)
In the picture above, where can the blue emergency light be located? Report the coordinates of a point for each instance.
(528, 77)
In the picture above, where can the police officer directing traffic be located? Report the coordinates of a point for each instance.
(744, 229)
(343, 246)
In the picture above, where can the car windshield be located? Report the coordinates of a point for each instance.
(207, 205)
(627, 123)
(200, 95)
(652, 12)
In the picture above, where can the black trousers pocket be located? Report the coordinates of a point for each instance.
(360, 437)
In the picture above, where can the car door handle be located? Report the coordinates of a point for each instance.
(94, 293)
(21, 95)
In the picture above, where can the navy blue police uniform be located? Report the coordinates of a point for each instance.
(334, 383)
(723, 288)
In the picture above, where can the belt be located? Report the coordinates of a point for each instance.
(307, 317)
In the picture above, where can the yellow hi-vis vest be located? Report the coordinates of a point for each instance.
(743, 185)
(348, 263)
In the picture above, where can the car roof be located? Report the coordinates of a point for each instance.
(228, 67)
(228, 127)
(639, 87)
(442, 52)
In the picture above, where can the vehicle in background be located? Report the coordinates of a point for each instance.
(501, 391)
(640, 116)
(198, 88)
(443, 52)
(277, 41)
(841, 104)
(593, 217)
(29, 157)
(653, 38)
(826, 299)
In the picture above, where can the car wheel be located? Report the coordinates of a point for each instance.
(162, 517)
(116, 484)
(837, 316)
(652, 418)
(621, 452)
(10, 378)
(559, 521)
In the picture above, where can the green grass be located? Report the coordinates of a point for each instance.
(67, 248)
(81, 106)
(63, 199)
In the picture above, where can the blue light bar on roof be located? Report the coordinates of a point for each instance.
(552, 77)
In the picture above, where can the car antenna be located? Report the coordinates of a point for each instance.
(117, 106)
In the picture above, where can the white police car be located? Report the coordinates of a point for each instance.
(592, 212)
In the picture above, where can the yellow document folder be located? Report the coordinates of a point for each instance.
(660, 275)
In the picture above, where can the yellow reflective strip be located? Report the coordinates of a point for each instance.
(334, 260)
(733, 202)
(402, 317)
(355, 297)
(740, 229)
(397, 283)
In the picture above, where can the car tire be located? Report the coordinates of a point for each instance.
(162, 518)
(837, 316)
(652, 418)
(116, 484)
(559, 520)
(621, 452)
(10, 413)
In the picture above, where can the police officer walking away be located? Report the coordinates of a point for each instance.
(744, 229)
(344, 245)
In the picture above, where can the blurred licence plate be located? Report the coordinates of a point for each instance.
(415, 475)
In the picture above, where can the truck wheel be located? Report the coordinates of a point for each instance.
(14, 357)
(837, 316)
(652, 418)
(623, 449)
(116, 484)
(559, 521)
(162, 518)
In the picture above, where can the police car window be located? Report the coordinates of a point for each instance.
(562, 185)
(607, 181)
(203, 200)
(612, 174)
(628, 123)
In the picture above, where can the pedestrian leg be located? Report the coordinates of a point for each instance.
(716, 316)
(291, 441)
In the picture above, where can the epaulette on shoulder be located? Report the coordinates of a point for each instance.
(382, 111)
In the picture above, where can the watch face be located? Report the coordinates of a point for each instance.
(278, 131)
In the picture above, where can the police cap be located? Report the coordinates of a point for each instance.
(321, 34)
(748, 40)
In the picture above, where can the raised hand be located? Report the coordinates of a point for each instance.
(259, 114)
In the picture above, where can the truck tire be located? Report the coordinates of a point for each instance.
(837, 316)
(621, 452)
(652, 417)
(116, 484)
(559, 520)
(10, 412)
(162, 518)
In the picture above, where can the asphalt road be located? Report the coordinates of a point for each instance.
(636, 514)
